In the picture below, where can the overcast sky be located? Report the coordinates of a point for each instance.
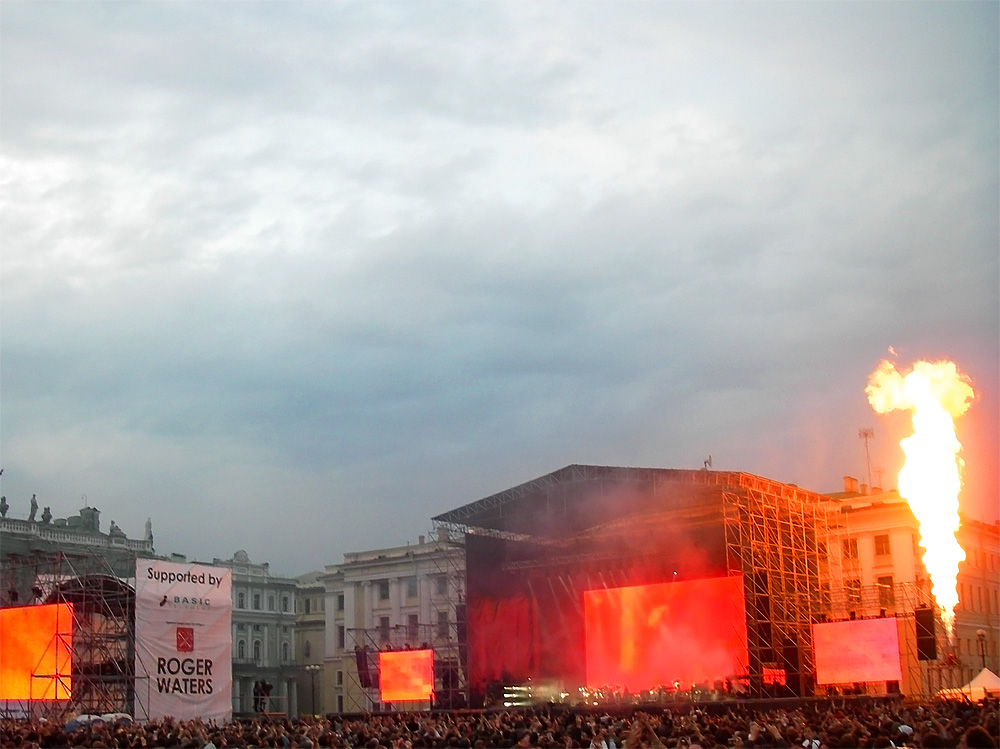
(294, 277)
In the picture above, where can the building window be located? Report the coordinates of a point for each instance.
(411, 587)
(241, 627)
(270, 603)
(340, 703)
(340, 678)
(850, 548)
(442, 585)
(284, 604)
(412, 628)
(285, 650)
(241, 600)
(256, 650)
(882, 546)
(256, 628)
(340, 636)
(383, 590)
(340, 602)
(307, 604)
(241, 650)
(306, 649)
(442, 625)
(256, 601)
(383, 629)
(886, 595)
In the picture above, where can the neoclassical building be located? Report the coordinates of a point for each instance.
(264, 623)
(875, 569)
(404, 597)
(310, 637)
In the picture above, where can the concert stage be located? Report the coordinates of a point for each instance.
(639, 579)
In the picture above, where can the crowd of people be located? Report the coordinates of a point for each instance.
(846, 724)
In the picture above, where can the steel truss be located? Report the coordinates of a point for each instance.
(774, 537)
(102, 592)
(451, 648)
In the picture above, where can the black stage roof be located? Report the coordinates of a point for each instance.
(579, 498)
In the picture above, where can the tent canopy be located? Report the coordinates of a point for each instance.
(986, 683)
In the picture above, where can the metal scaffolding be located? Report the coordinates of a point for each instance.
(102, 593)
(774, 536)
(367, 643)
(450, 633)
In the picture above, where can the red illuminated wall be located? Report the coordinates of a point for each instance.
(862, 650)
(36, 648)
(645, 636)
(406, 675)
(502, 639)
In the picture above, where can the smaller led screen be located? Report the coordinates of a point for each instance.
(406, 675)
(36, 650)
(642, 637)
(855, 651)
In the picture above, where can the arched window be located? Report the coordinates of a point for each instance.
(256, 650)
(306, 649)
(241, 650)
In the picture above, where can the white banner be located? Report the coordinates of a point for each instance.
(184, 640)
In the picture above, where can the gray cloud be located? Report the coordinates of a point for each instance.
(296, 277)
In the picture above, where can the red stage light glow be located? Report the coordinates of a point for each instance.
(641, 637)
(406, 675)
(853, 651)
(36, 649)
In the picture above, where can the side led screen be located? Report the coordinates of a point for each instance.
(862, 650)
(406, 675)
(36, 649)
(642, 637)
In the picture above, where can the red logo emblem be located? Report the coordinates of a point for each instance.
(185, 639)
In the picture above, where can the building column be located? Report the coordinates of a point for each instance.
(395, 595)
(366, 588)
(350, 619)
(424, 591)
(293, 702)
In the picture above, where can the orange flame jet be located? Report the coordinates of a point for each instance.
(930, 479)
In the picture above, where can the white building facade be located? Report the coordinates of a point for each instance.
(264, 624)
(407, 597)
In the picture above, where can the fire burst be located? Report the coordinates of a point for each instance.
(930, 479)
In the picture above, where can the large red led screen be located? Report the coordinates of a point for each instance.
(641, 637)
(406, 675)
(36, 649)
(861, 650)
